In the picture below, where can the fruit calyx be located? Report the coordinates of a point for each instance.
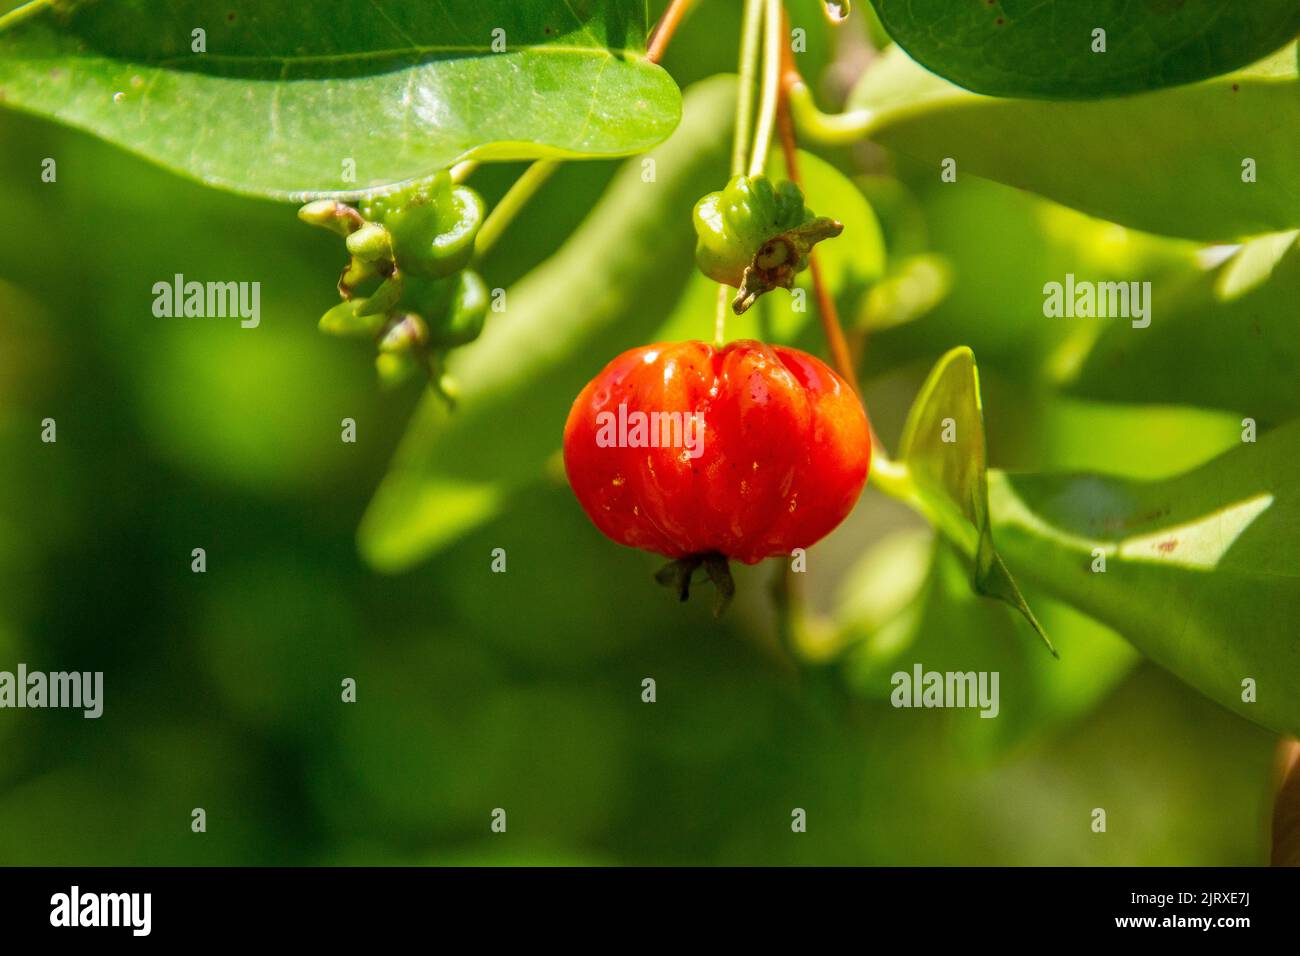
(780, 259)
(677, 576)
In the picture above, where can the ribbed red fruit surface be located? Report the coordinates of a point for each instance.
(776, 457)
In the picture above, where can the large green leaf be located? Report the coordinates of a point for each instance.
(289, 97)
(943, 451)
(1170, 161)
(607, 289)
(1045, 48)
(1216, 341)
(1202, 571)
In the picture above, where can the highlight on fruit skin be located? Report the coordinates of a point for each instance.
(747, 451)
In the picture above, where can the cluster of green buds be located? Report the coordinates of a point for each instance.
(756, 236)
(407, 285)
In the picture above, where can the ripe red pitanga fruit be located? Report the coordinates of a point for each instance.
(747, 451)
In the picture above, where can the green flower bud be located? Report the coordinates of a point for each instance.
(395, 368)
(384, 299)
(455, 308)
(370, 243)
(463, 321)
(447, 387)
(346, 319)
(406, 333)
(432, 223)
(332, 215)
(357, 275)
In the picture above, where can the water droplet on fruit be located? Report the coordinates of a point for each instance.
(119, 97)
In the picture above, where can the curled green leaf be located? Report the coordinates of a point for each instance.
(944, 452)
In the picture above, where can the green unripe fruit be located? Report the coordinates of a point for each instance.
(407, 333)
(358, 277)
(332, 215)
(349, 319)
(370, 243)
(733, 224)
(431, 225)
(395, 368)
(463, 322)
(384, 298)
(756, 236)
(453, 308)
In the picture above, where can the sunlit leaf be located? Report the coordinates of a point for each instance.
(1238, 354)
(281, 99)
(1171, 161)
(943, 450)
(1200, 571)
(1253, 264)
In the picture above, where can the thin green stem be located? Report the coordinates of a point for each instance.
(516, 197)
(771, 87)
(720, 320)
(891, 477)
(753, 20)
(750, 31)
(830, 129)
(17, 15)
(463, 170)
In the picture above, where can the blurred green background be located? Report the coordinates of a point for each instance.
(523, 690)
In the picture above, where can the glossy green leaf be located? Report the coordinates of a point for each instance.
(607, 289)
(943, 450)
(333, 97)
(1253, 264)
(1200, 570)
(1213, 342)
(1172, 161)
(1050, 48)
(1063, 433)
